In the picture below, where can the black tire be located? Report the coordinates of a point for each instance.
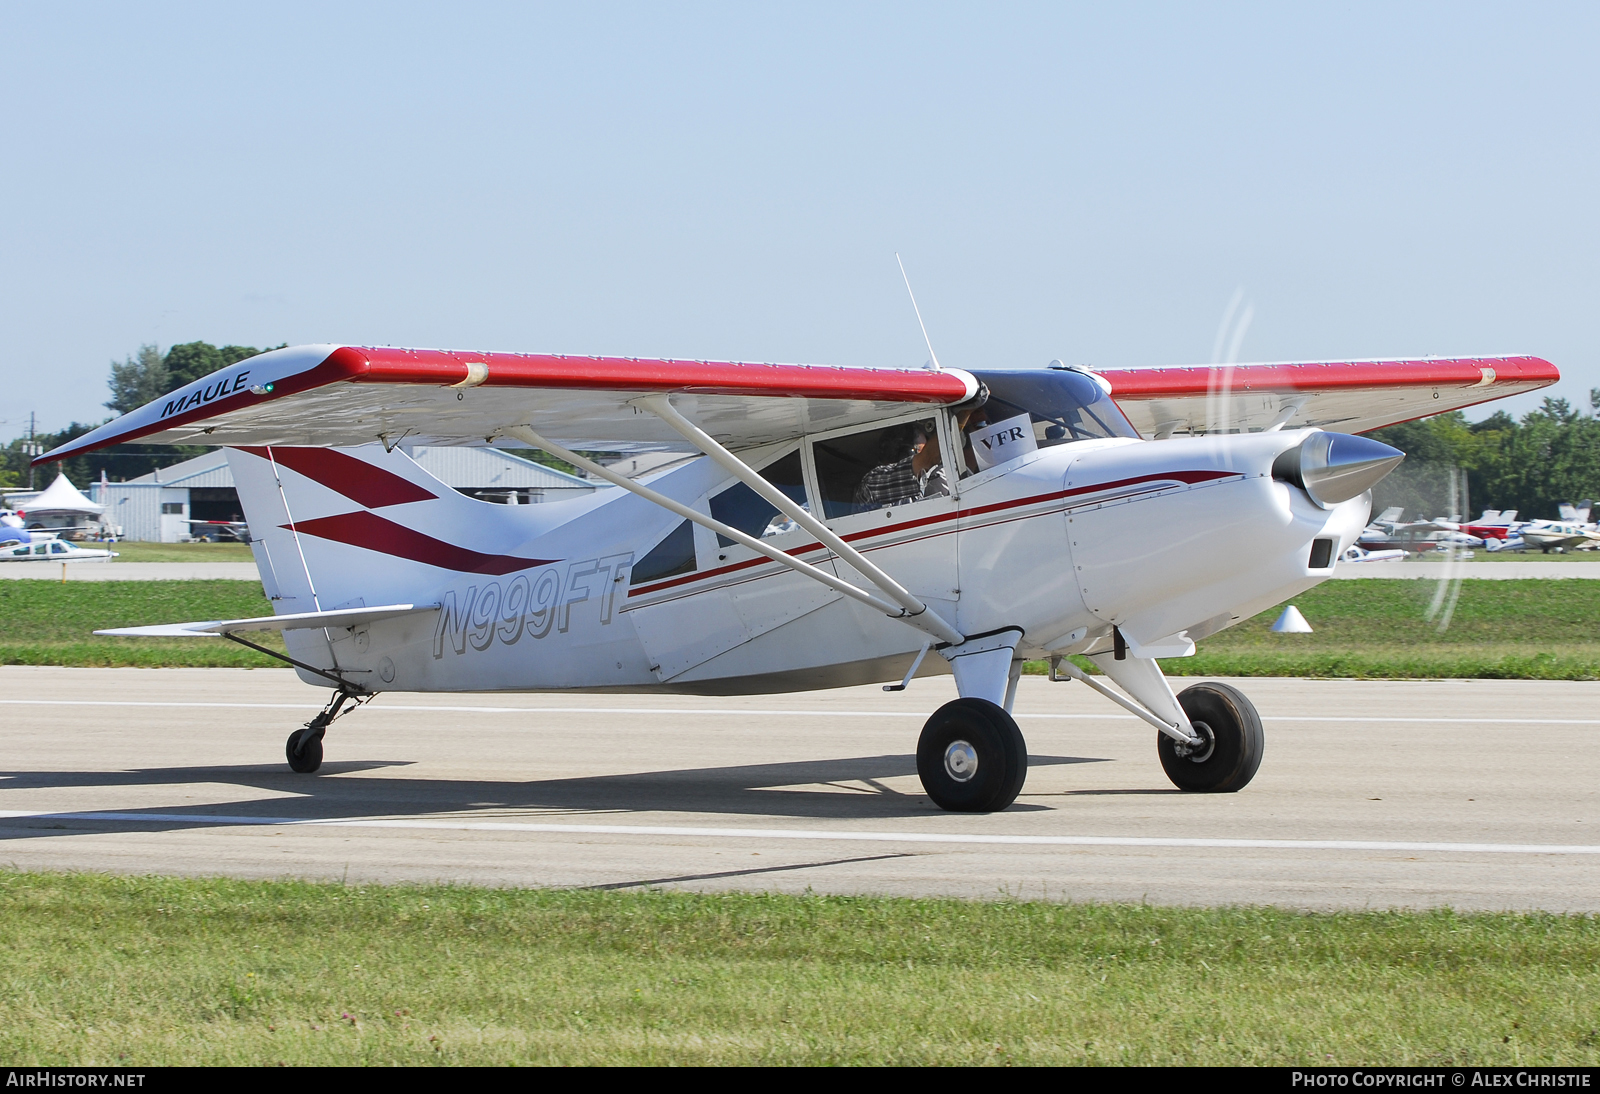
(996, 753)
(304, 757)
(1234, 739)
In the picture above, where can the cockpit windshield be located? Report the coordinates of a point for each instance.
(1059, 405)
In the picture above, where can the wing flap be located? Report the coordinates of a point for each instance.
(214, 628)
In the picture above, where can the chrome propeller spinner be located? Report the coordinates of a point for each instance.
(1335, 467)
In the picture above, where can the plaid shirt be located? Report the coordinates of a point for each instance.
(893, 483)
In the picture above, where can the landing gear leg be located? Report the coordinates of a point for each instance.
(1230, 745)
(971, 757)
(304, 748)
(1211, 738)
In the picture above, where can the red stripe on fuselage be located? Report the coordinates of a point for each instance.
(1189, 478)
(374, 533)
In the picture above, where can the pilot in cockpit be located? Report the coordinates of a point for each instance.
(911, 468)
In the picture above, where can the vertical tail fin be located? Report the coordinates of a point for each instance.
(340, 528)
(333, 526)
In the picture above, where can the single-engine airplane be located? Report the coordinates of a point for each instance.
(836, 526)
(47, 548)
(1558, 535)
(238, 531)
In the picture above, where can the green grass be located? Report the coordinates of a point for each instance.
(179, 552)
(100, 970)
(1537, 629)
(1527, 630)
(48, 623)
(1524, 556)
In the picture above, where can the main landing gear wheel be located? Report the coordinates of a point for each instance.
(971, 757)
(305, 749)
(1231, 741)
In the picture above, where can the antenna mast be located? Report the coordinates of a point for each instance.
(933, 358)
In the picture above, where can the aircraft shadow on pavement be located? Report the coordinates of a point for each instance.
(850, 789)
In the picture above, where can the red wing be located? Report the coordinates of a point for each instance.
(324, 396)
(1347, 396)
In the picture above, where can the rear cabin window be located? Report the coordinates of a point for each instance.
(1061, 406)
(744, 509)
(673, 555)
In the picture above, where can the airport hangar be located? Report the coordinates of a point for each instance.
(157, 507)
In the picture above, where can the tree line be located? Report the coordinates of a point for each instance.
(134, 381)
(1533, 465)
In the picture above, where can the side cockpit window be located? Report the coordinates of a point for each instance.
(741, 507)
(877, 468)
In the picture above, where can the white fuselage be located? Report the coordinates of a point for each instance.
(1155, 538)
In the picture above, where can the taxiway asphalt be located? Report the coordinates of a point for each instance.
(1474, 794)
(96, 570)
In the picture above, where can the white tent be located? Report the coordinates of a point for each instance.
(62, 497)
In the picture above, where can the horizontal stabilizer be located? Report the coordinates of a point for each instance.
(345, 617)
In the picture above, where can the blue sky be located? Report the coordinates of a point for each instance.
(1092, 183)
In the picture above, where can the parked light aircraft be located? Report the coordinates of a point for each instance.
(1354, 553)
(47, 548)
(1492, 524)
(1558, 535)
(225, 530)
(836, 527)
(1573, 530)
(1388, 533)
(11, 529)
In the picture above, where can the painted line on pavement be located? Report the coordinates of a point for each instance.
(952, 838)
(409, 708)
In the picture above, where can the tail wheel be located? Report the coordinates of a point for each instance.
(1231, 741)
(304, 749)
(971, 757)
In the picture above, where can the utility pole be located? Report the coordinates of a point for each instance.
(31, 448)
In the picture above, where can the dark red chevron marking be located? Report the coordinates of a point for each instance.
(374, 533)
(356, 479)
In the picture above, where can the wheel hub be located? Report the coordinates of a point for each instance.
(1200, 753)
(960, 761)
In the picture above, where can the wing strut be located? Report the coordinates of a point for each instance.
(914, 609)
(921, 617)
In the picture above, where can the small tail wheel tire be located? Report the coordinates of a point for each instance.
(1231, 741)
(304, 750)
(971, 757)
